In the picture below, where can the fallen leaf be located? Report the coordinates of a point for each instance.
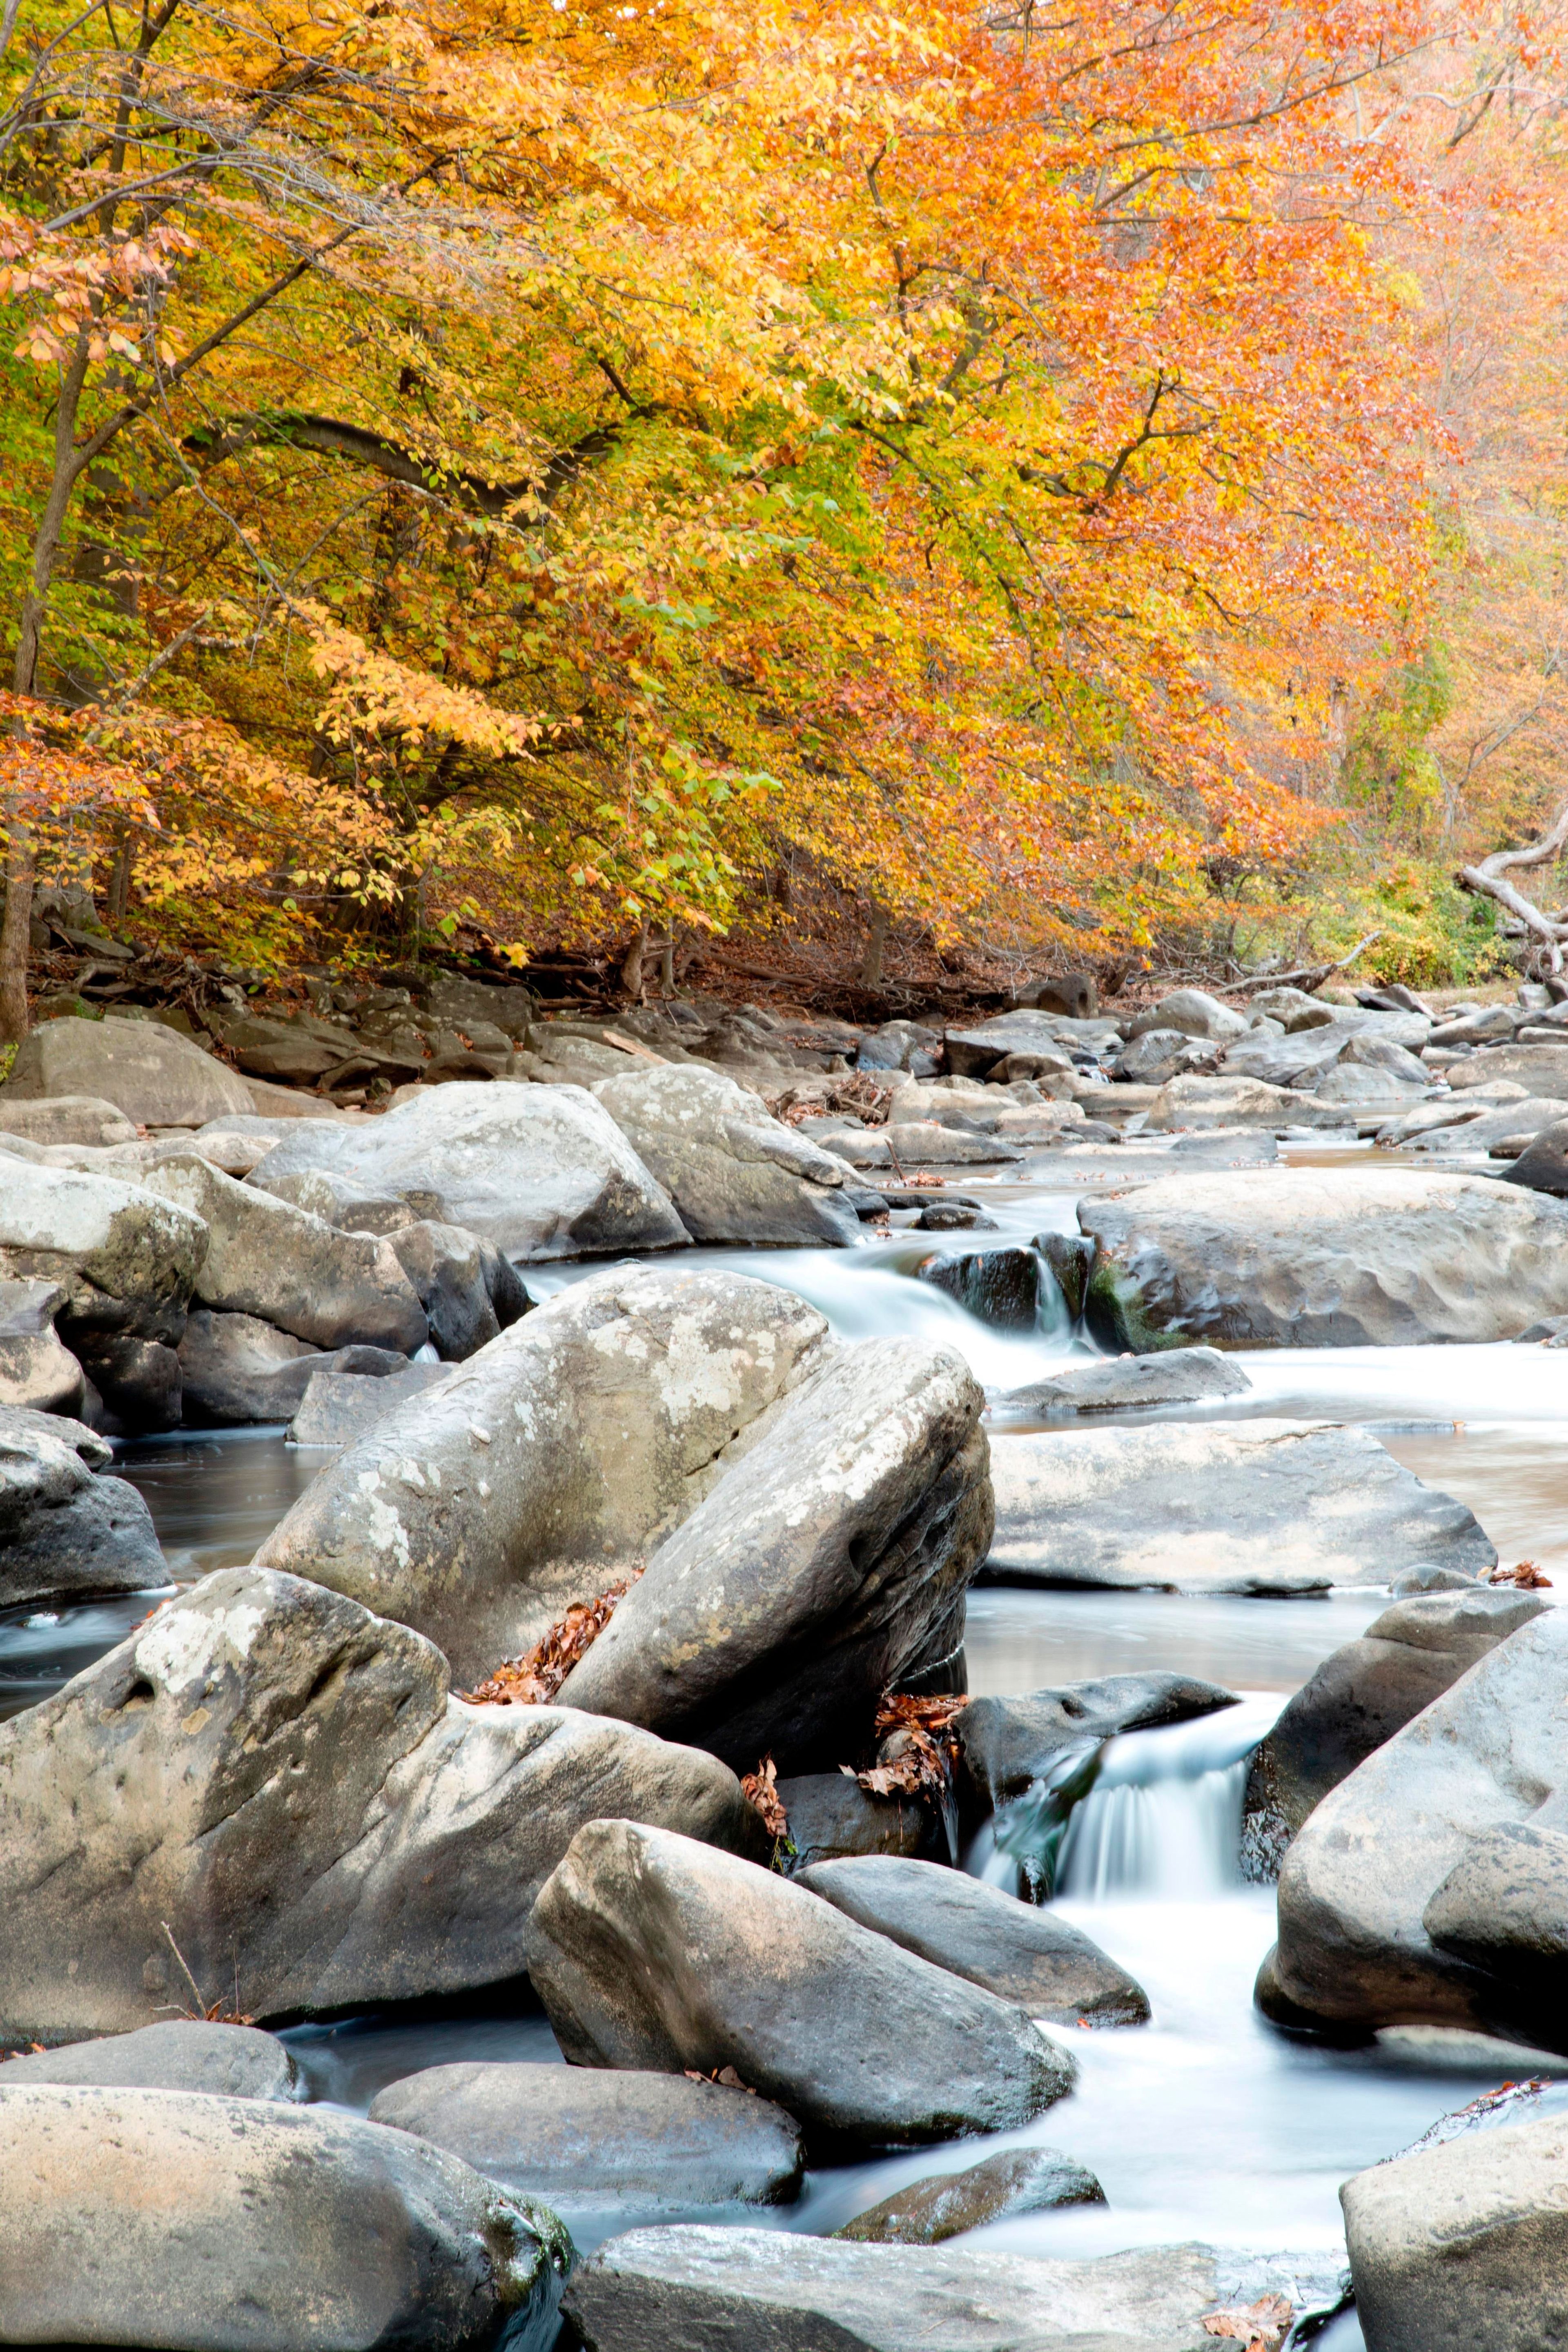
(534, 1679)
(761, 1792)
(1260, 2325)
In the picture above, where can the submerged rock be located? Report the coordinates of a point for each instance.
(1021, 1954)
(181, 2054)
(1249, 1506)
(153, 1075)
(586, 2137)
(650, 1950)
(1001, 2189)
(1184, 1376)
(68, 1533)
(156, 2217)
(734, 1172)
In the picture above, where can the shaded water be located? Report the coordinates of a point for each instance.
(1207, 2122)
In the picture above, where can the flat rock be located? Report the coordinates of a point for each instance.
(63, 1118)
(235, 2062)
(152, 1074)
(553, 1464)
(754, 2290)
(339, 1408)
(542, 1172)
(282, 1784)
(1021, 1954)
(1249, 1506)
(974, 1051)
(1001, 2188)
(1307, 1257)
(68, 1533)
(142, 2217)
(1464, 2245)
(1364, 1692)
(1488, 1125)
(581, 2136)
(1004, 1745)
(1194, 1101)
(734, 1172)
(1181, 1376)
(1540, 1070)
(1357, 1881)
(650, 1950)
(828, 1565)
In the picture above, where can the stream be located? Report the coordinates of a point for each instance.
(1206, 2124)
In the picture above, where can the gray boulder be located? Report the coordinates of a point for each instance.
(1476, 1126)
(155, 1076)
(1539, 1069)
(1307, 1257)
(67, 1533)
(340, 1407)
(1181, 1376)
(446, 1268)
(734, 1172)
(1504, 1907)
(235, 1369)
(1542, 1166)
(767, 2290)
(267, 1259)
(650, 1950)
(1194, 1102)
(36, 1370)
(552, 1464)
(1249, 1506)
(1464, 2245)
(1157, 1055)
(1006, 1744)
(280, 1784)
(63, 1118)
(183, 2054)
(578, 2135)
(541, 1170)
(1356, 1884)
(1020, 1953)
(1364, 1694)
(973, 1052)
(134, 2217)
(830, 1815)
(126, 1259)
(828, 1565)
(1001, 2188)
(1195, 1013)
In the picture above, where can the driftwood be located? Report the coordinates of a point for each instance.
(1489, 879)
(1311, 976)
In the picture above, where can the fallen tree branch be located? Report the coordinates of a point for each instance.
(1311, 976)
(1487, 880)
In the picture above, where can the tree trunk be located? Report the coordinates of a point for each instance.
(667, 965)
(631, 970)
(876, 939)
(120, 883)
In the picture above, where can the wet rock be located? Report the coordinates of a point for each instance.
(338, 1408)
(1362, 1696)
(816, 1573)
(1011, 1948)
(734, 1172)
(152, 2218)
(1464, 2244)
(1357, 1881)
(1184, 1376)
(269, 1260)
(584, 2137)
(1476, 1126)
(67, 1533)
(153, 1075)
(63, 1118)
(542, 1172)
(1504, 1906)
(281, 1783)
(183, 2054)
(1193, 1013)
(1542, 1166)
(1251, 1507)
(1303, 1257)
(830, 1815)
(1539, 1069)
(1006, 1744)
(742, 2290)
(1159, 1054)
(549, 1466)
(650, 1950)
(1000, 1287)
(1001, 2187)
(1194, 1101)
(36, 1369)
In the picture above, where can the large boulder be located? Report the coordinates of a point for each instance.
(1195, 1013)
(829, 1564)
(1539, 1069)
(1354, 1947)
(1542, 1166)
(267, 1259)
(734, 1172)
(543, 1171)
(1019, 1952)
(63, 1118)
(580, 2135)
(1193, 1102)
(550, 1465)
(650, 1950)
(1364, 1692)
(155, 1075)
(1464, 2245)
(766, 2290)
(235, 1369)
(339, 1407)
(1300, 1257)
(267, 1794)
(1474, 1128)
(36, 1368)
(1252, 1506)
(446, 1267)
(1504, 1907)
(1004, 1745)
(67, 1533)
(974, 1051)
(150, 2218)
(184, 2053)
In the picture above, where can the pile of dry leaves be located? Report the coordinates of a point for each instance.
(761, 1790)
(913, 1761)
(534, 1679)
(1526, 1575)
(1262, 2327)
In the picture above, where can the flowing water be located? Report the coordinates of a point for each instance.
(1207, 2122)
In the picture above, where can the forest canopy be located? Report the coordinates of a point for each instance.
(1060, 480)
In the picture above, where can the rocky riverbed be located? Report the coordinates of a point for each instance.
(803, 1645)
